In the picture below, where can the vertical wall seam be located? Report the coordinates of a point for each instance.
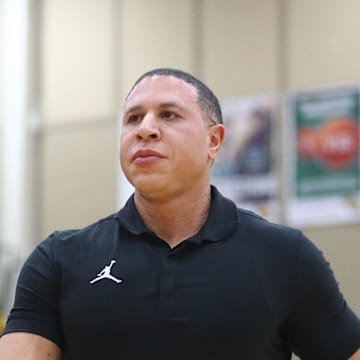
(198, 38)
(282, 86)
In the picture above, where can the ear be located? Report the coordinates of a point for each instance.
(216, 138)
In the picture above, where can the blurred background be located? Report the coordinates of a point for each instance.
(66, 66)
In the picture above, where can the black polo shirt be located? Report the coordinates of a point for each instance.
(241, 288)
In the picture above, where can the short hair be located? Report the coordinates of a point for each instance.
(207, 100)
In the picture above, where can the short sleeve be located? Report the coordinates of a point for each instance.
(322, 325)
(36, 305)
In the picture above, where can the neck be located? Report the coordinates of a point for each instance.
(175, 219)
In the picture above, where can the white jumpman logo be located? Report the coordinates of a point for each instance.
(105, 274)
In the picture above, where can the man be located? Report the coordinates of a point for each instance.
(179, 272)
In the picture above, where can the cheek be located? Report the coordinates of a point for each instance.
(195, 149)
(125, 140)
(123, 149)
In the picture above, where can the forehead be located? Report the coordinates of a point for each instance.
(161, 89)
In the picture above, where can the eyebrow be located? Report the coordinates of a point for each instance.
(161, 105)
(172, 104)
(133, 108)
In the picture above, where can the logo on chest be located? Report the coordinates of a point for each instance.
(106, 274)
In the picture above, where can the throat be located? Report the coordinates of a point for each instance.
(175, 222)
(176, 229)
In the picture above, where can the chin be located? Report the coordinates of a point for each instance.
(149, 187)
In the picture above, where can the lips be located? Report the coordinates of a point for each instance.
(146, 153)
(146, 156)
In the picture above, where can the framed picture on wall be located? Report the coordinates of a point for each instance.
(245, 167)
(324, 161)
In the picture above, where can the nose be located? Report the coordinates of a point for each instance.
(148, 128)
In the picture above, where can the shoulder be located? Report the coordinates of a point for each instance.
(266, 233)
(102, 225)
(100, 228)
(276, 245)
(63, 246)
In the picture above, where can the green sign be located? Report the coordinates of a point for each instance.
(327, 143)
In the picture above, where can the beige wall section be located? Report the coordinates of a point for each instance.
(79, 131)
(79, 178)
(156, 33)
(323, 49)
(341, 247)
(240, 46)
(1, 68)
(323, 45)
(78, 61)
(1, 118)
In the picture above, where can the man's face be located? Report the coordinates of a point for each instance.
(166, 143)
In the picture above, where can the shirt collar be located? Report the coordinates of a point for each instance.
(221, 220)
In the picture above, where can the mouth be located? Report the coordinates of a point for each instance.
(146, 156)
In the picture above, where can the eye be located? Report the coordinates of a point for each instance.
(168, 115)
(134, 118)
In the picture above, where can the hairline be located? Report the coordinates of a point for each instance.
(205, 101)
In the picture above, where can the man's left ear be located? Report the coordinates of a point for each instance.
(216, 137)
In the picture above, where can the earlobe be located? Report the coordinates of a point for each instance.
(216, 138)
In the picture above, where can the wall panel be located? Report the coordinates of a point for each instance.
(1, 115)
(156, 33)
(79, 176)
(322, 41)
(240, 45)
(78, 61)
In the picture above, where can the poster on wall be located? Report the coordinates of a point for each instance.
(325, 167)
(244, 168)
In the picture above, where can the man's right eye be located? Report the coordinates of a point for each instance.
(134, 118)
